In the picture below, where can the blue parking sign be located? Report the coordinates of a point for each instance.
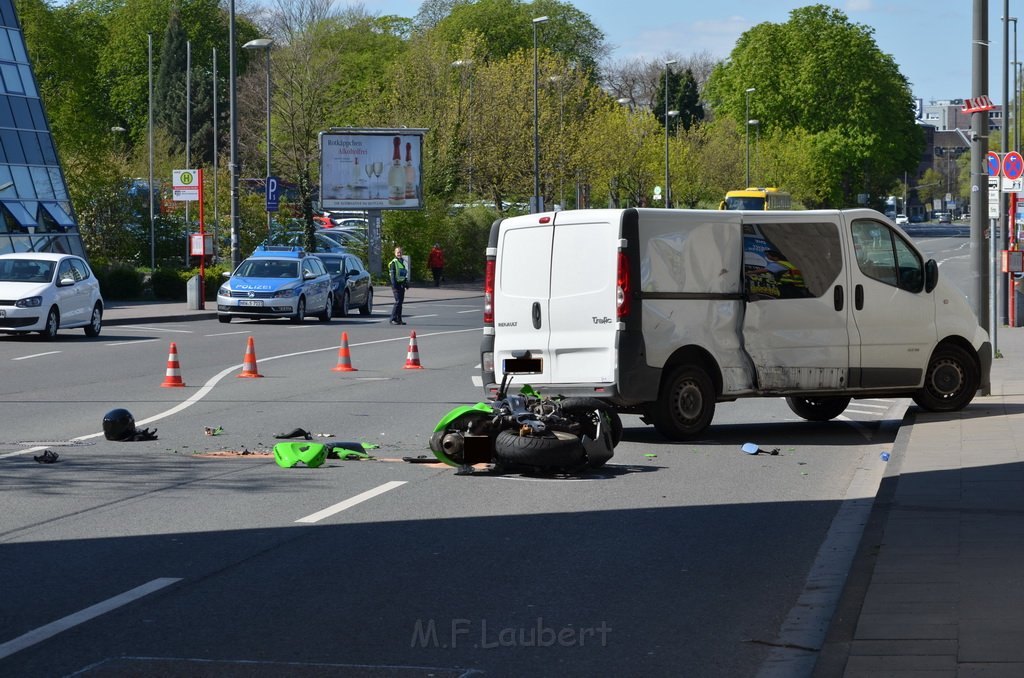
(273, 193)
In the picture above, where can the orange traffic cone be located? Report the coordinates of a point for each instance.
(344, 358)
(412, 358)
(249, 363)
(173, 378)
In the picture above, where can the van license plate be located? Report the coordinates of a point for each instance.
(250, 302)
(3, 313)
(522, 366)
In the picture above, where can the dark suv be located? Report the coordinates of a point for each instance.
(350, 282)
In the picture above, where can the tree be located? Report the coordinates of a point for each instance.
(825, 76)
(507, 27)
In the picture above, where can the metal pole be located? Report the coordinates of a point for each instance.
(216, 195)
(233, 102)
(152, 219)
(668, 193)
(268, 137)
(746, 125)
(999, 238)
(979, 170)
(536, 206)
(188, 133)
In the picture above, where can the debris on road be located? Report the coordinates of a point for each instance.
(295, 433)
(213, 430)
(47, 457)
(289, 454)
(752, 448)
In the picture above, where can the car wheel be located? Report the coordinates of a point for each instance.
(817, 409)
(300, 311)
(557, 449)
(367, 308)
(951, 381)
(686, 404)
(95, 322)
(52, 323)
(224, 318)
(328, 312)
(343, 306)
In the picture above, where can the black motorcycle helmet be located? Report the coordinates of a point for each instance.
(118, 424)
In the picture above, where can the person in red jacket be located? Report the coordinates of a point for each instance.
(435, 262)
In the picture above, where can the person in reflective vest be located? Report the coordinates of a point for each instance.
(399, 275)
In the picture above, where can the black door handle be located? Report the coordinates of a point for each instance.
(858, 297)
(536, 315)
(837, 298)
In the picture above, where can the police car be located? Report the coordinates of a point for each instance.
(277, 282)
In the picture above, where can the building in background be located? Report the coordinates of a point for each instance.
(948, 114)
(35, 210)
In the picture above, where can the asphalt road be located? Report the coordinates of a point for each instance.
(151, 558)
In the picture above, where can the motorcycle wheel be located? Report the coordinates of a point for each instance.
(557, 449)
(586, 405)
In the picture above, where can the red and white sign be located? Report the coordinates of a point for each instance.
(1013, 165)
(978, 104)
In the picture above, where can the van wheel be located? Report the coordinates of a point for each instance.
(558, 449)
(586, 405)
(686, 405)
(951, 381)
(817, 409)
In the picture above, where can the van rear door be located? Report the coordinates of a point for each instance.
(554, 295)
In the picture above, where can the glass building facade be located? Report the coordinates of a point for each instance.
(35, 210)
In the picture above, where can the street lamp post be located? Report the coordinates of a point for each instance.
(748, 91)
(668, 186)
(536, 205)
(236, 257)
(668, 65)
(757, 138)
(152, 218)
(265, 43)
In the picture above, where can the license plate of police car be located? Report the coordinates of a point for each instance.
(250, 302)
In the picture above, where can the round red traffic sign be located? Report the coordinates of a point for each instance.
(1013, 165)
(993, 163)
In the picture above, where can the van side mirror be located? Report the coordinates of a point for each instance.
(931, 275)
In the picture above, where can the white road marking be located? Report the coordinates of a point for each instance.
(36, 355)
(226, 334)
(151, 329)
(349, 503)
(53, 628)
(472, 310)
(477, 380)
(132, 342)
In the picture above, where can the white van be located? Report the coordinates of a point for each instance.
(666, 312)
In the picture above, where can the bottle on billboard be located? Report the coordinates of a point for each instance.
(410, 174)
(396, 176)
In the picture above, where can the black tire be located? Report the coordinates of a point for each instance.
(300, 311)
(582, 405)
(325, 315)
(343, 305)
(686, 404)
(95, 322)
(557, 449)
(950, 382)
(52, 324)
(367, 308)
(817, 409)
(224, 318)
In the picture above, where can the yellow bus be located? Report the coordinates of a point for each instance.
(756, 199)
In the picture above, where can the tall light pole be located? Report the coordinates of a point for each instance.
(152, 218)
(216, 195)
(265, 43)
(557, 79)
(236, 257)
(536, 205)
(757, 137)
(668, 65)
(668, 186)
(748, 91)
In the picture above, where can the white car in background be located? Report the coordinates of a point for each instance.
(44, 292)
(901, 220)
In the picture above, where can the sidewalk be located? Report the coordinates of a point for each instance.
(937, 587)
(142, 312)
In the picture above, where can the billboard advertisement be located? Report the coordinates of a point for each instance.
(371, 169)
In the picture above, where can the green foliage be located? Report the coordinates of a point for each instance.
(171, 284)
(822, 75)
(462, 236)
(119, 281)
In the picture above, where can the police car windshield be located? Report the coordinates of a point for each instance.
(268, 268)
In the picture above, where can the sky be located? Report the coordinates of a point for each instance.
(929, 41)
